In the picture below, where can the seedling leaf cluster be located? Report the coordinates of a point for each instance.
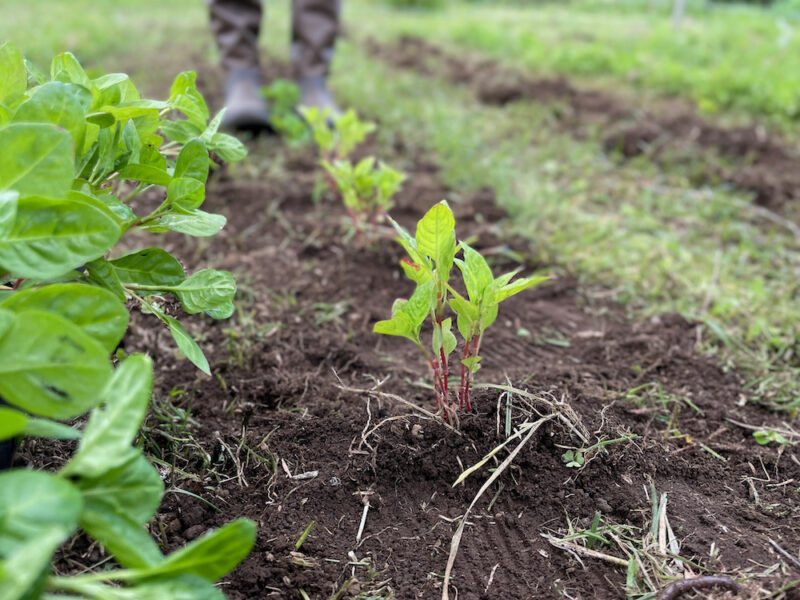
(75, 152)
(432, 252)
(365, 187)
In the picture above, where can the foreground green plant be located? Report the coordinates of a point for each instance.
(431, 255)
(74, 151)
(366, 190)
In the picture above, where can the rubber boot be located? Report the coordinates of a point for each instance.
(236, 25)
(315, 25)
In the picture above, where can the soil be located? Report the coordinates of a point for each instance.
(751, 158)
(286, 394)
(287, 433)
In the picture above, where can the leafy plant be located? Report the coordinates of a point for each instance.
(367, 187)
(366, 190)
(283, 96)
(431, 255)
(75, 152)
(336, 136)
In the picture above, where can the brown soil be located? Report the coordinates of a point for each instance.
(755, 161)
(279, 435)
(278, 392)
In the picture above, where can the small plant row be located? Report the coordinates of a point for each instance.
(74, 152)
(432, 252)
(366, 187)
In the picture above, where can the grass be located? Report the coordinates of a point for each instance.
(722, 57)
(641, 235)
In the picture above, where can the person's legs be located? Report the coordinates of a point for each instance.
(236, 25)
(315, 25)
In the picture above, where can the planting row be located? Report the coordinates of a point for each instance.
(77, 151)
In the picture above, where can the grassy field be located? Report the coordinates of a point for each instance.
(642, 234)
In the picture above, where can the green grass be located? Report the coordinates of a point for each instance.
(739, 57)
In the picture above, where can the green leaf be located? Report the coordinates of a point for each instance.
(516, 287)
(193, 161)
(467, 315)
(185, 587)
(186, 193)
(195, 222)
(187, 345)
(212, 556)
(227, 147)
(145, 174)
(30, 558)
(408, 315)
(449, 341)
(35, 73)
(51, 237)
(213, 126)
(12, 422)
(127, 540)
(415, 272)
(151, 266)
(49, 366)
(318, 120)
(351, 131)
(208, 291)
(102, 273)
(185, 98)
(179, 131)
(65, 67)
(117, 504)
(45, 428)
(13, 78)
(33, 502)
(436, 238)
(488, 315)
(476, 273)
(133, 488)
(8, 211)
(62, 104)
(97, 312)
(767, 436)
(107, 438)
(122, 212)
(472, 363)
(37, 160)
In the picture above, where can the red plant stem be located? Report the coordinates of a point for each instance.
(443, 358)
(16, 283)
(463, 386)
(435, 368)
(475, 347)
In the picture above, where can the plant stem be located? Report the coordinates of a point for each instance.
(463, 386)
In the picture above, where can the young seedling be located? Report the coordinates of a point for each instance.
(431, 255)
(366, 190)
(283, 96)
(336, 137)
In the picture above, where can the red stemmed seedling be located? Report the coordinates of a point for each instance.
(366, 189)
(431, 255)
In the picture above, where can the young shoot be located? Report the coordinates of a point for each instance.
(431, 254)
(366, 190)
(336, 136)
